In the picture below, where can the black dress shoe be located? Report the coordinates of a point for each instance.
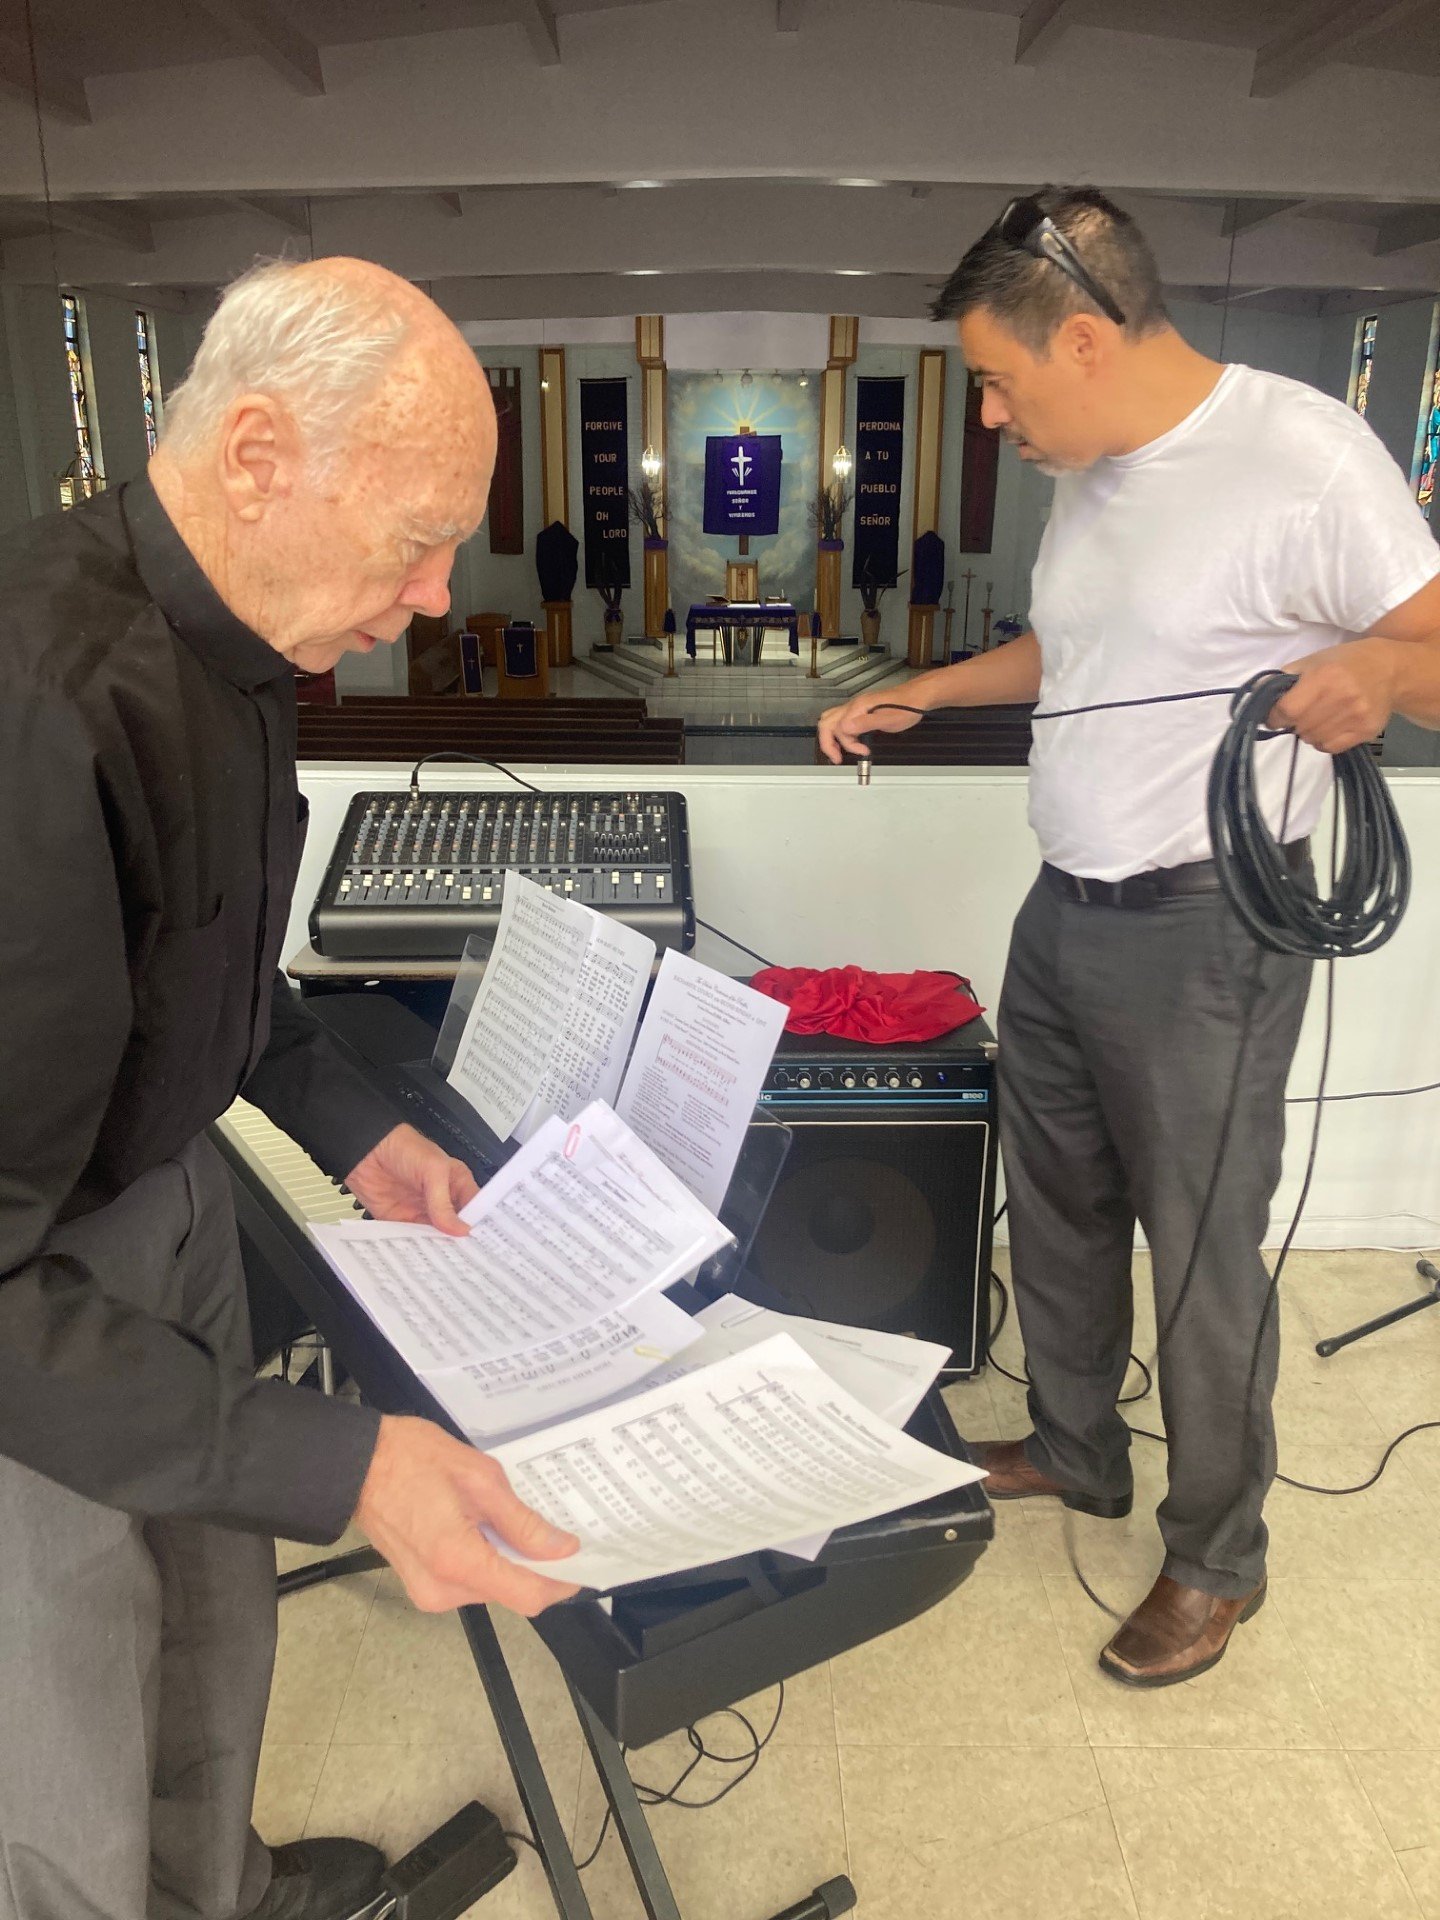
(322, 1880)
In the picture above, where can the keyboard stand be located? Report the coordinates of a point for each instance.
(666, 1653)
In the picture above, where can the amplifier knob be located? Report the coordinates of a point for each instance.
(915, 1077)
(872, 1078)
(827, 1078)
(847, 1078)
(892, 1078)
(782, 1079)
(803, 1078)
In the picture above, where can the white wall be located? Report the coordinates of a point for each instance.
(926, 868)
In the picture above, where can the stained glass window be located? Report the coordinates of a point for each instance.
(81, 479)
(1364, 361)
(149, 393)
(1427, 439)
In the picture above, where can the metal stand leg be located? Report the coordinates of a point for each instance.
(1426, 1271)
(635, 1834)
(535, 1795)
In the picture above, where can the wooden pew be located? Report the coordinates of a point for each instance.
(517, 734)
(977, 737)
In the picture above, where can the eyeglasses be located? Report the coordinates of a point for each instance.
(1026, 226)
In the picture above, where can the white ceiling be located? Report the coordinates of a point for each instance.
(485, 146)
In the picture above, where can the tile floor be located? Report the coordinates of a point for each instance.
(975, 1765)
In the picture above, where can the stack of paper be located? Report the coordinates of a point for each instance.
(756, 1448)
(557, 1285)
(554, 1017)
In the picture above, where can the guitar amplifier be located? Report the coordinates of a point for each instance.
(883, 1213)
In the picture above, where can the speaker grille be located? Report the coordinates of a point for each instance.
(883, 1224)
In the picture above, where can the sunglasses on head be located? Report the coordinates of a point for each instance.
(1026, 226)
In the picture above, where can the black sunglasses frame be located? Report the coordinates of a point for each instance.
(1027, 227)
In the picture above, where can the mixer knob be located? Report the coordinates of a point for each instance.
(847, 1078)
(915, 1077)
(892, 1078)
(804, 1078)
(872, 1078)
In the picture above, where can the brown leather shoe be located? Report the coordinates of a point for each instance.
(1175, 1633)
(1013, 1478)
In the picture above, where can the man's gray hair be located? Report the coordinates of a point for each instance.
(318, 342)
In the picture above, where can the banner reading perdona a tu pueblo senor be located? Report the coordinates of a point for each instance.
(742, 483)
(879, 463)
(604, 480)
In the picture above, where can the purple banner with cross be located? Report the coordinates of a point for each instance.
(742, 483)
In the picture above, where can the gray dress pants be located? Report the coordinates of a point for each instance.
(135, 1654)
(1120, 1037)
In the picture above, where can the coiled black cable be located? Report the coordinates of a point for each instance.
(1276, 903)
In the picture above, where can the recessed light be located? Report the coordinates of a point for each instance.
(641, 273)
(859, 183)
(854, 273)
(632, 186)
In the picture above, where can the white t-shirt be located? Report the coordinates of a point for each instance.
(1269, 524)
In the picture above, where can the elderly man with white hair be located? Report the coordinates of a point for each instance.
(329, 451)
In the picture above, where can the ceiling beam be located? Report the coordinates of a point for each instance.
(259, 26)
(1041, 27)
(289, 214)
(114, 225)
(1325, 30)
(1243, 216)
(449, 203)
(537, 17)
(1415, 227)
(62, 93)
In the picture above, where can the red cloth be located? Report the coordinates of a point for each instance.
(886, 1009)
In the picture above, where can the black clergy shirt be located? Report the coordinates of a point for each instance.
(152, 832)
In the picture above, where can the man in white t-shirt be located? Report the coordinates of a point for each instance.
(1209, 521)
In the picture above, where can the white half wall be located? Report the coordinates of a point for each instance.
(926, 867)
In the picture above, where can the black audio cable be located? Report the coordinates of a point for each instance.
(1275, 903)
(476, 759)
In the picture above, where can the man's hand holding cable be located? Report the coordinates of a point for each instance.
(843, 729)
(1343, 696)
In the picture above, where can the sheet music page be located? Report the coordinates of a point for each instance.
(579, 1223)
(505, 1397)
(758, 1448)
(588, 1056)
(887, 1372)
(522, 1003)
(701, 1058)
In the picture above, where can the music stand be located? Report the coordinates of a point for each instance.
(1427, 1270)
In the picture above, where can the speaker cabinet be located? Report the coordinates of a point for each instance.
(883, 1213)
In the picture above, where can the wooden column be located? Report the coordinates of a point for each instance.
(650, 354)
(929, 448)
(844, 337)
(554, 438)
(929, 439)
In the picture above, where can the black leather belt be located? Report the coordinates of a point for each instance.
(1159, 883)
